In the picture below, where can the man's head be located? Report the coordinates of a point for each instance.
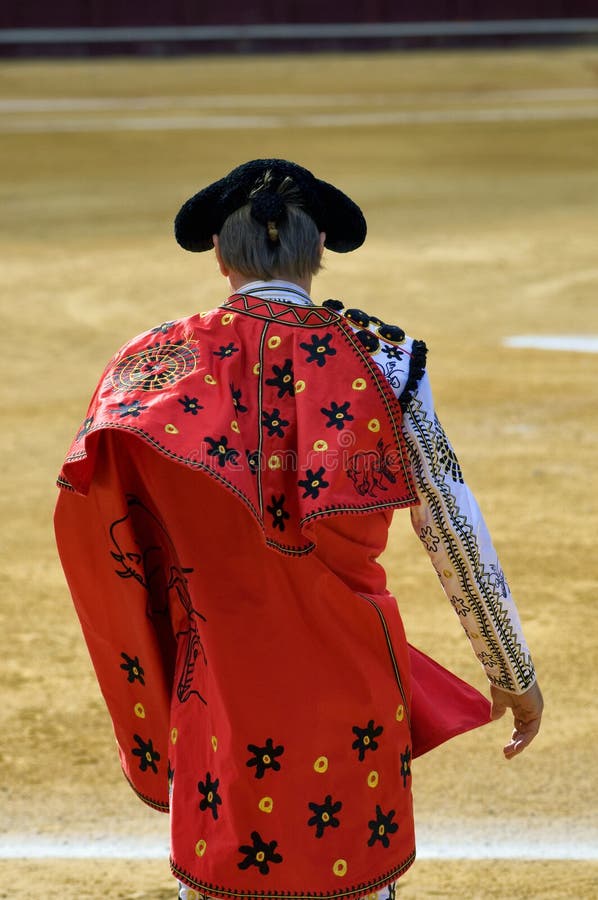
(270, 188)
(271, 236)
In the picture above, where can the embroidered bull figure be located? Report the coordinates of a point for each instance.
(145, 553)
(368, 469)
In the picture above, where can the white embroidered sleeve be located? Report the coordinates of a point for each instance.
(452, 529)
(448, 520)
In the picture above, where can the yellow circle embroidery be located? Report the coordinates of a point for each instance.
(266, 804)
(201, 847)
(260, 856)
(373, 779)
(321, 764)
(274, 462)
(192, 895)
(374, 425)
(227, 318)
(359, 384)
(274, 342)
(400, 713)
(340, 867)
(171, 429)
(214, 743)
(447, 573)
(174, 733)
(235, 426)
(209, 379)
(202, 315)
(256, 369)
(320, 446)
(139, 710)
(299, 386)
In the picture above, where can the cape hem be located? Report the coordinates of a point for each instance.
(354, 892)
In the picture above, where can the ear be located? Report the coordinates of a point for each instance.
(223, 268)
(322, 241)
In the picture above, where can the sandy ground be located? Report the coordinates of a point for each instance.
(480, 227)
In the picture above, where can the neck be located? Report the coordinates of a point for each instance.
(236, 280)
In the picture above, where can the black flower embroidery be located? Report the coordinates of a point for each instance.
(319, 349)
(392, 352)
(210, 797)
(132, 668)
(85, 428)
(283, 379)
(134, 409)
(278, 512)
(148, 757)
(253, 461)
(366, 738)
(324, 815)
(190, 404)
(381, 827)
(170, 776)
(429, 539)
(259, 854)
(236, 395)
(264, 757)
(226, 352)
(221, 450)
(337, 415)
(313, 483)
(405, 765)
(459, 605)
(487, 659)
(273, 422)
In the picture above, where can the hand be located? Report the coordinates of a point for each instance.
(527, 714)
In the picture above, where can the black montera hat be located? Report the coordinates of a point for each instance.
(204, 214)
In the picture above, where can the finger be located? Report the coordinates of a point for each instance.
(520, 740)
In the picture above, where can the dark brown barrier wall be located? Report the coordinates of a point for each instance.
(103, 13)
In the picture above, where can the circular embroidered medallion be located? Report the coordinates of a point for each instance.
(154, 368)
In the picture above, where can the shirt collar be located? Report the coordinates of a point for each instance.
(277, 290)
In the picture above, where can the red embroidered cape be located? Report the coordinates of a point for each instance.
(227, 497)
